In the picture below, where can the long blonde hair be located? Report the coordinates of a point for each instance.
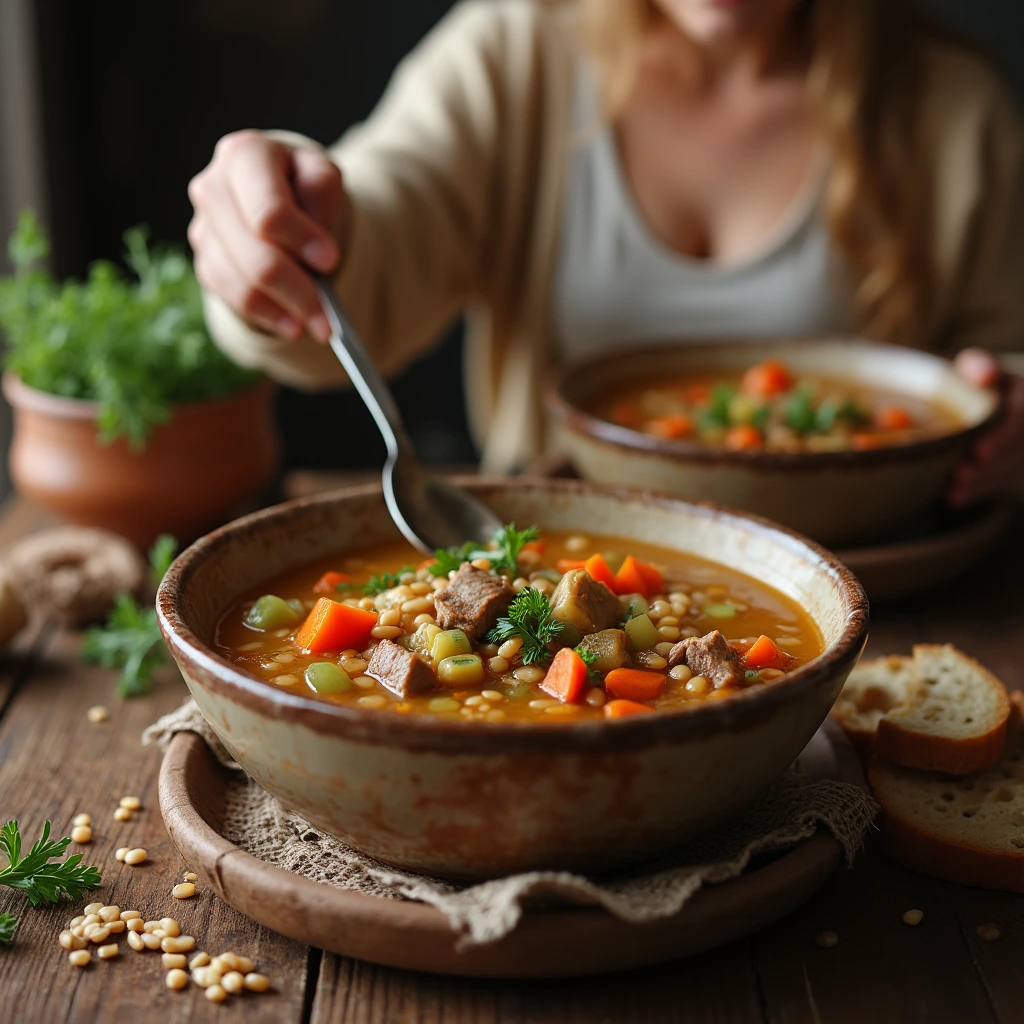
(864, 86)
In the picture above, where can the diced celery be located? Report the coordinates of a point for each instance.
(271, 612)
(642, 634)
(719, 611)
(422, 640)
(326, 677)
(461, 670)
(448, 643)
(634, 605)
(439, 704)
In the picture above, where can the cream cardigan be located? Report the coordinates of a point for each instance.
(457, 180)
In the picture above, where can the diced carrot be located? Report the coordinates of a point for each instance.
(892, 417)
(864, 441)
(742, 438)
(567, 677)
(697, 394)
(538, 546)
(624, 414)
(634, 683)
(335, 627)
(624, 708)
(564, 565)
(636, 577)
(772, 377)
(328, 583)
(599, 569)
(670, 427)
(764, 653)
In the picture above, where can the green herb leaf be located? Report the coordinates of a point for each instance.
(8, 922)
(529, 617)
(386, 581)
(589, 658)
(135, 346)
(799, 411)
(40, 880)
(161, 554)
(504, 555)
(716, 415)
(130, 641)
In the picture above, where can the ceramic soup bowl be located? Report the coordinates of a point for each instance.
(838, 498)
(475, 800)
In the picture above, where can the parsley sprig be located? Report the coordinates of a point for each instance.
(508, 546)
(385, 581)
(529, 617)
(8, 922)
(40, 880)
(594, 678)
(131, 639)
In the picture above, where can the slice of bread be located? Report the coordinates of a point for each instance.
(873, 690)
(968, 829)
(957, 721)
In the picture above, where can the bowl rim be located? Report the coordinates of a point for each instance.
(741, 711)
(580, 421)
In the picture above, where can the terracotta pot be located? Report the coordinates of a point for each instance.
(486, 799)
(838, 498)
(195, 471)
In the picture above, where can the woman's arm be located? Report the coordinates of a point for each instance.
(408, 230)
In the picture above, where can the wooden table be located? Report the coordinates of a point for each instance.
(55, 764)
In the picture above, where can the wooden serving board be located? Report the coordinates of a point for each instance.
(550, 942)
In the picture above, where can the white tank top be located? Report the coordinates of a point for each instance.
(617, 283)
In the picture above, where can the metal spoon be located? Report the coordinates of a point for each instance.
(430, 512)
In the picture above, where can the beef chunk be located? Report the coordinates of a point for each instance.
(584, 605)
(611, 648)
(401, 671)
(709, 656)
(472, 601)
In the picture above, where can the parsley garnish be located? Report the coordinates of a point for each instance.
(41, 881)
(589, 658)
(508, 546)
(529, 617)
(131, 639)
(385, 581)
(8, 922)
(799, 411)
(717, 412)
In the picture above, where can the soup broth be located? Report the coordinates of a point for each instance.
(378, 629)
(772, 408)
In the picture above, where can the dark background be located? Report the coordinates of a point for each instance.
(134, 96)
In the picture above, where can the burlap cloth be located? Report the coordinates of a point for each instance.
(790, 810)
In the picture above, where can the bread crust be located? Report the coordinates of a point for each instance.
(948, 754)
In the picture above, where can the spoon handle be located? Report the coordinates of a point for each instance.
(372, 387)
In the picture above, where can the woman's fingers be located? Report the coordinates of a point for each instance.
(978, 366)
(265, 268)
(217, 273)
(266, 214)
(998, 463)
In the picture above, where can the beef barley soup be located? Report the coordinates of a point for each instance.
(770, 407)
(541, 628)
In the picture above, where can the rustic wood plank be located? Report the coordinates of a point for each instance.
(881, 970)
(713, 987)
(55, 764)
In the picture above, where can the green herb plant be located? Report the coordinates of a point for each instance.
(34, 875)
(136, 346)
(385, 581)
(504, 555)
(529, 617)
(589, 657)
(131, 639)
(8, 922)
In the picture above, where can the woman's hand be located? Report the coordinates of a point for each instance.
(997, 458)
(266, 213)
